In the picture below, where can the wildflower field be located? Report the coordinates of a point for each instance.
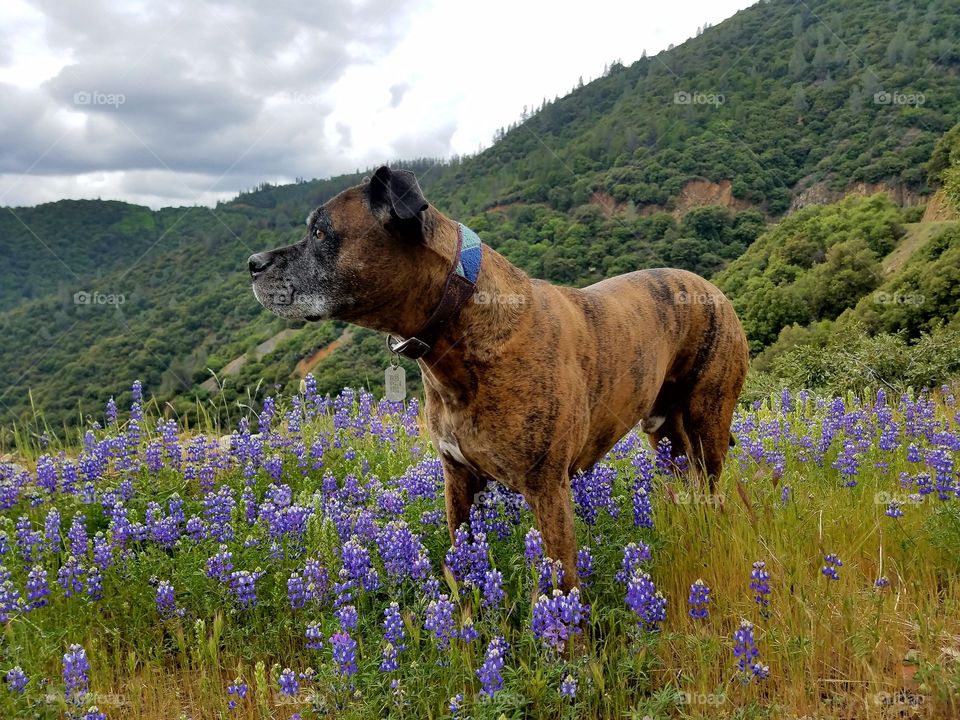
(301, 567)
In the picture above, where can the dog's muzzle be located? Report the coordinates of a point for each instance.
(259, 263)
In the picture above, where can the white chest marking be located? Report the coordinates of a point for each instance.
(450, 448)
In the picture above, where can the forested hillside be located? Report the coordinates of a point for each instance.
(681, 159)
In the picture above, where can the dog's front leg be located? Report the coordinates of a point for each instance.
(551, 501)
(460, 487)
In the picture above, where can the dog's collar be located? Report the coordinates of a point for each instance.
(459, 287)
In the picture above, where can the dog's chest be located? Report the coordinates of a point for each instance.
(468, 452)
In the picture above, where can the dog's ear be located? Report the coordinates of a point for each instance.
(398, 192)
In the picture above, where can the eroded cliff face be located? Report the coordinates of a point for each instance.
(820, 194)
(939, 209)
(703, 193)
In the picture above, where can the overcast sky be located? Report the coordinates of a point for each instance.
(186, 102)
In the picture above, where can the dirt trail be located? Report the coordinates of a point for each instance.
(233, 367)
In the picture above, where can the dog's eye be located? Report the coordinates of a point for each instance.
(318, 234)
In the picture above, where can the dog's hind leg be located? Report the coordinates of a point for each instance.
(672, 428)
(707, 421)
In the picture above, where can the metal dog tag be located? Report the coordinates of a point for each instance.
(395, 384)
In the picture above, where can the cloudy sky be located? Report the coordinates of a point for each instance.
(184, 102)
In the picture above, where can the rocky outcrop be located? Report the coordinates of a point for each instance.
(698, 193)
(939, 209)
(820, 194)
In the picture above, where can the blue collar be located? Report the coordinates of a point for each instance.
(459, 288)
(471, 253)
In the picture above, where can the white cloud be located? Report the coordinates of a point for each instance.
(216, 97)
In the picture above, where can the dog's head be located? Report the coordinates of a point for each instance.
(361, 255)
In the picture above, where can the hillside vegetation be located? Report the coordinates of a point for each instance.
(777, 105)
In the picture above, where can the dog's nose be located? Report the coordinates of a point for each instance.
(259, 262)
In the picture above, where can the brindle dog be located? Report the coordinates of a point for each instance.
(529, 382)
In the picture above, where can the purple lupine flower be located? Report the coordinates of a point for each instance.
(785, 495)
(70, 576)
(549, 574)
(29, 542)
(288, 682)
(848, 463)
(76, 674)
(468, 557)
(760, 583)
(491, 672)
(166, 603)
(633, 556)
(94, 583)
(220, 565)
(243, 586)
(533, 546)
(238, 688)
(557, 618)
(344, 652)
(643, 598)
(642, 489)
(699, 600)
(356, 562)
(831, 563)
(642, 509)
(317, 579)
(9, 596)
(745, 650)
(493, 588)
(314, 635)
(37, 588)
(568, 687)
(881, 582)
(393, 631)
(468, 633)
(110, 414)
(393, 636)
(593, 491)
(102, 551)
(51, 529)
(93, 713)
(439, 621)
(389, 662)
(296, 591)
(455, 705)
(402, 552)
(16, 679)
(347, 617)
(584, 564)
(217, 512)
(894, 509)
